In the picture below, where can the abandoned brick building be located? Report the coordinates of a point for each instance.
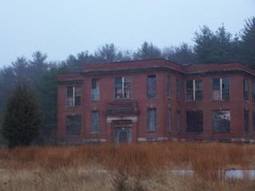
(156, 100)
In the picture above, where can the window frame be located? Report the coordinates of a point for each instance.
(151, 86)
(151, 115)
(124, 89)
(221, 129)
(95, 91)
(95, 119)
(73, 100)
(193, 90)
(68, 128)
(224, 93)
(193, 114)
(246, 120)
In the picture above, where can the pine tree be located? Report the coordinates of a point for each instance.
(147, 51)
(213, 47)
(248, 43)
(22, 117)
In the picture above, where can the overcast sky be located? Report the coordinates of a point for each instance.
(63, 27)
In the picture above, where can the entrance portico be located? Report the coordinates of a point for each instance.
(121, 121)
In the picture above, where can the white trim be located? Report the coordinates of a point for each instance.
(221, 88)
(194, 90)
(145, 139)
(132, 118)
(73, 100)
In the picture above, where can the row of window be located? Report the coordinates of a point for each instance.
(122, 90)
(74, 124)
(194, 121)
(220, 89)
(194, 89)
(220, 121)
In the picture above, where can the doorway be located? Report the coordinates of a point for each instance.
(122, 135)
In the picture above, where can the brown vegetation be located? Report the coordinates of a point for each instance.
(125, 167)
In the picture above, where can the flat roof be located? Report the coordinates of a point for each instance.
(159, 64)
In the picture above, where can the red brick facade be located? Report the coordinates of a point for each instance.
(203, 102)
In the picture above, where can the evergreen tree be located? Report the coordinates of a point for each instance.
(147, 51)
(182, 55)
(22, 117)
(248, 43)
(213, 47)
(108, 53)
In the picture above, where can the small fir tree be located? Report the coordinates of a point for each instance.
(22, 117)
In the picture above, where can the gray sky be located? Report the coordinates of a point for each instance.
(63, 27)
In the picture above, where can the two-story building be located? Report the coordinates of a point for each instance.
(156, 100)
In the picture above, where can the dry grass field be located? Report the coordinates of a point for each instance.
(140, 167)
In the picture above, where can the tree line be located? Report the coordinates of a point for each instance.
(39, 74)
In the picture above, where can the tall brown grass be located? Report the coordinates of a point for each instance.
(142, 162)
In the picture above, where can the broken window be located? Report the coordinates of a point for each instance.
(73, 96)
(73, 124)
(246, 120)
(95, 94)
(246, 89)
(194, 121)
(151, 86)
(194, 90)
(220, 89)
(95, 121)
(122, 88)
(221, 121)
(189, 90)
(151, 119)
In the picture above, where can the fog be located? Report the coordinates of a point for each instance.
(63, 27)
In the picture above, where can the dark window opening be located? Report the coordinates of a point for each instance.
(151, 86)
(95, 94)
(95, 121)
(152, 119)
(73, 124)
(221, 121)
(122, 88)
(73, 96)
(246, 121)
(198, 90)
(194, 90)
(194, 121)
(225, 89)
(220, 89)
(189, 90)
